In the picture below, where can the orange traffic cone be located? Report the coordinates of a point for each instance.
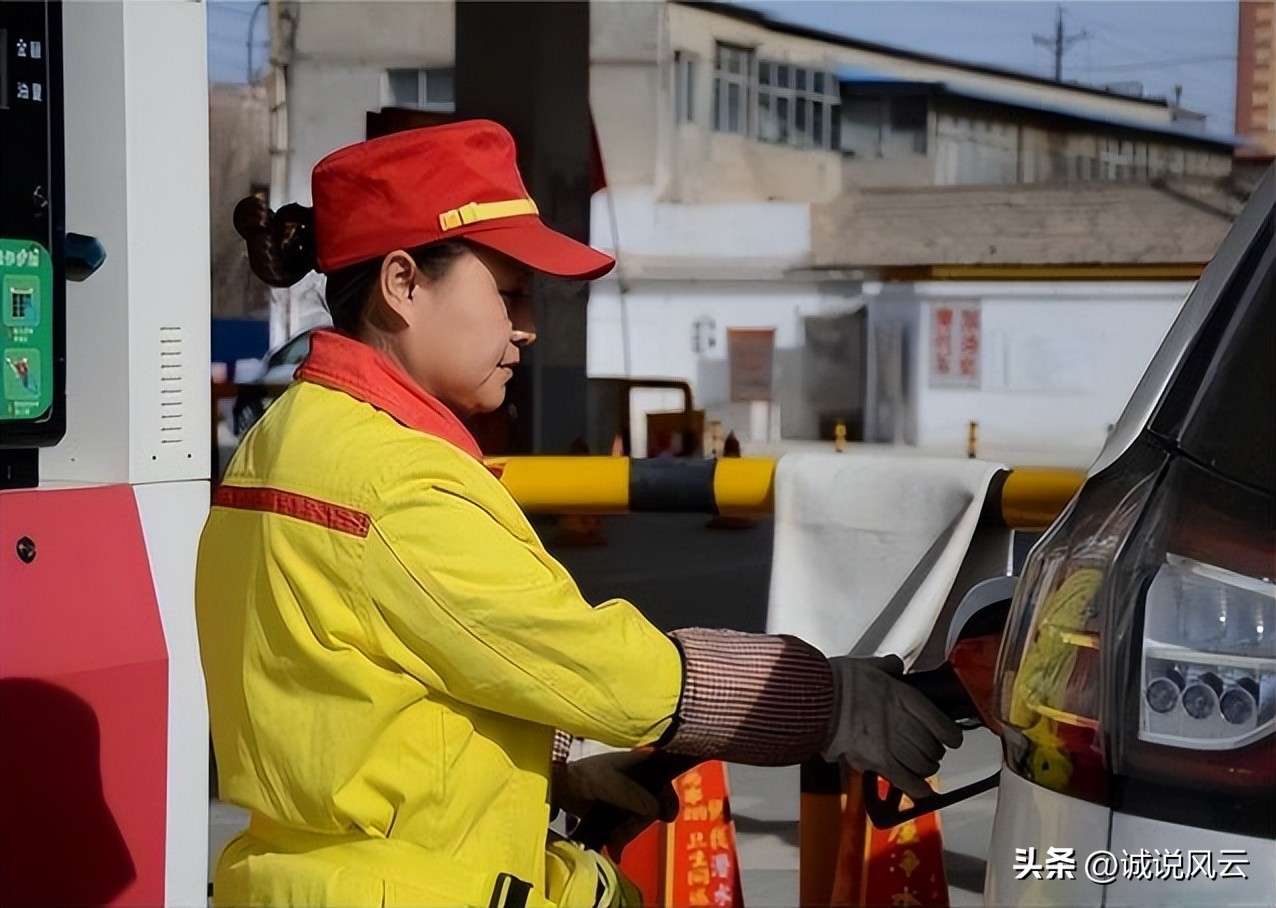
(693, 860)
(579, 530)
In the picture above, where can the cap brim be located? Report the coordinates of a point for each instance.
(543, 249)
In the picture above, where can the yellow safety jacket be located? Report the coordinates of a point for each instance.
(388, 650)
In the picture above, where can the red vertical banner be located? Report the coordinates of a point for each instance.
(955, 340)
(941, 341)
(702, 866)
(693, 860)
(902, 866)
(968, 358)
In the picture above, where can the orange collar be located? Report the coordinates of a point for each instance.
(352, 367)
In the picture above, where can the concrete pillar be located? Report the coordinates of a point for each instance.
(526, 65)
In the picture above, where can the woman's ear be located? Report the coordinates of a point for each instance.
(393, 303)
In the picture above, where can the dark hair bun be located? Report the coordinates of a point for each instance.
(281, 245)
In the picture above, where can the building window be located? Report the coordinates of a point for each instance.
(420, 89)
(685, 65)
(797, 105)
(732, 89)
(908, 120)
(863, 123)
(878, 126)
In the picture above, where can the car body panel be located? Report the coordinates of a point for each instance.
(1042, 819)
(1135, 835)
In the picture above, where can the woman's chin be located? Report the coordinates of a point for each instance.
(489, 405)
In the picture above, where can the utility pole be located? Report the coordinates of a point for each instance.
(283, 15)
(1059, 43)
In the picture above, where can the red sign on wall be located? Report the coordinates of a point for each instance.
(954, 343)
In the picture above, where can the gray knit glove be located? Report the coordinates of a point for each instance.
(879, 723)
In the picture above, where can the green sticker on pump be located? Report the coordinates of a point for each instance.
(26, 323)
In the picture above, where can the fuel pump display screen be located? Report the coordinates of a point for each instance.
(32, 275)
(26, 285)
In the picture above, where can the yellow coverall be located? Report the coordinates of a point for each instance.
(388, 649)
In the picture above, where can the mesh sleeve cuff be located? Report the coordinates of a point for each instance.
(751, 698)
(562, 746)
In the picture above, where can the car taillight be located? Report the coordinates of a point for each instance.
(1139, 663)
(1209, 657)
(1191, 703)
(1050, 667)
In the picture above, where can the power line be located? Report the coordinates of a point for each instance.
(1180, 61)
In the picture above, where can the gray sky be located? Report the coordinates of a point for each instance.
(1160, 43)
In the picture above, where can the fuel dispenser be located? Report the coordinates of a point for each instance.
(32, 265)
(103, 452)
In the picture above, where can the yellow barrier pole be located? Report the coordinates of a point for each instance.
(618, 485)
(567, 485)
(744, 486)
(1034, 496)
(1030, 498)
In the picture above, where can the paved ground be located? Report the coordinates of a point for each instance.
(681, 573)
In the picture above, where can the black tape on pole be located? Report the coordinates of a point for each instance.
(683, 486)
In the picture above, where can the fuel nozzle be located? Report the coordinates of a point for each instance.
(943, 688)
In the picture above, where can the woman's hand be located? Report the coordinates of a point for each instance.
(580, 785)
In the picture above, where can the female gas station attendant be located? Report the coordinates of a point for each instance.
(388, 647)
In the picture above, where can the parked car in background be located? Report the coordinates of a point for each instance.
(258, 387)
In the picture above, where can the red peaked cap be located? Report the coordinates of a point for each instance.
(437, 183)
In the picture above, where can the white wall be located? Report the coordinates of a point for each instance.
(774, 232)
(328, 105)
(657, 320)
(660, 319)
(691, 272)
(683, 264)
(1057, 362)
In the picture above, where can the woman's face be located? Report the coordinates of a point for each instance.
(465, 330)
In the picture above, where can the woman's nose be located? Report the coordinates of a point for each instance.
(522, 338)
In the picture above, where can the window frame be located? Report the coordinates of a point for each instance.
(745, 80)
(809, 112)
(685, 66)
(422, 88)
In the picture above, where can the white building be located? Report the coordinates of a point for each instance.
(727, 138)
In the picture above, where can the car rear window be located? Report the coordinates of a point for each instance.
(1225, 396)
